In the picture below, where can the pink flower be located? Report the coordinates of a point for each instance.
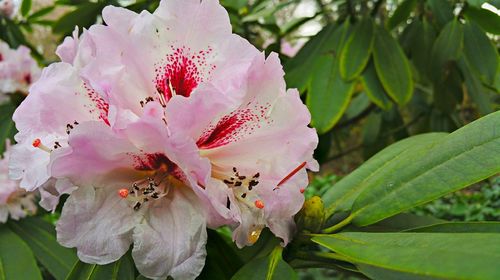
(14, 201)
(259, 146)
(18, 70)
(133, 188)
(97, 120)
(8, 8)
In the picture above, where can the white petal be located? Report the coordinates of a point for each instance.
(98, 223)
(171, 240)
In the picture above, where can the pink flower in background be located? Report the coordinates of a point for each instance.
(18, 70)
(14, 201)
(259, 147)
(8, 8)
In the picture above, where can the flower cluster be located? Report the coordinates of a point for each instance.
(158, 126)
(18, 70)
(14, 201)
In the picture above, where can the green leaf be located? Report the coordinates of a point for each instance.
(447, 47)
(460, 227)
(402, 12)
(487, 19)
(123, 269)
(476, 90)
(328, 95)
(25, 7)
(421, 46)
(7, 127)
(419, 255)
(298, 69)
(83, 16)
(271, 267)
(342, 195)
(392, 67)
(40, 13)
(357, 50)
(460, 159)
(41, 238)
(222, 262)
(480, 53)
(442, 11)
(399, 222)
(374, 88)
(16, 259)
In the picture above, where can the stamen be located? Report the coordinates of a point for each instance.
(259, 204)
(37, 143)
(290, 175)
(123, 193)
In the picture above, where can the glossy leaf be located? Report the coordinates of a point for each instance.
(357, 49)
(442, 11)
(401, 13)
(298, 69)
(222, 262)
(374, 89)
(41, 238)
(419, 255)
(84, 16)
(329, 95)
(460, 227)
(480, 53)
(7, 127)
(460, 159)
(123, 269)
(475, 88)
(16, 259)
(487, 19)
(448, 46)
(392, 67)
(342, 195)
(421, 47)
(272, 267)
(25, 7)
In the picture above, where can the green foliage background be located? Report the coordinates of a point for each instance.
(375, 73)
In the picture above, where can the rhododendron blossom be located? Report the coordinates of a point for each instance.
(18, 70)
(259, 147)
(14, 201)
(97, 123)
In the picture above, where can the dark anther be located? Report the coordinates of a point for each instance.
(154, 195)
(242, 177)
(253, 183)
(234, 169)
(75, 123)
(237, 184)
(137, 206)
(243, 195)
(256, 175)
(228, 203)
(228, 182)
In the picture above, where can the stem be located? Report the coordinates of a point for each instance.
(376, 7)
(340, 225)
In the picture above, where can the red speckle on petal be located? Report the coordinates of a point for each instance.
(302, 190)
(98, 103)
(259, 204)
(153, 162)
(1, 57)
(37, 142)
(181, 72)
(27, 78)
(123, 193)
